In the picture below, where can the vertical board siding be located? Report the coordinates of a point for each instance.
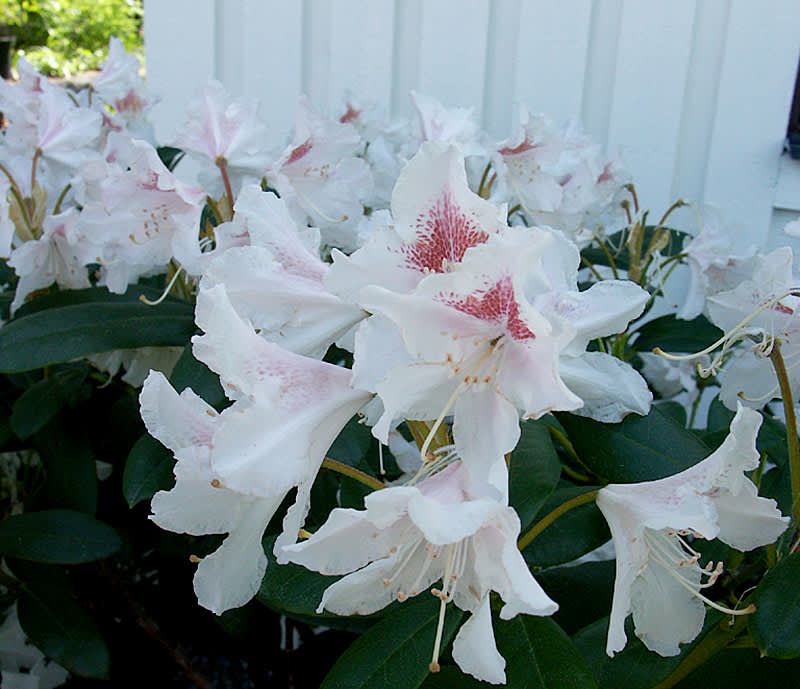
(180, 54)
(601, 67)
(453, 52)
(700, 99)
(695, 92)
(553, 43)
(645, 112)
(361, 53)
(501, 66)
(755, 93)
(273, 61)
(406, 41)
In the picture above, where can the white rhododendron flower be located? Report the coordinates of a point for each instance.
(226, 132)
(659, 578)
(409, 537)
(235, 468)
(762, 309)
(276, 282)
(713, 265)
(435, 219)
(321, 178)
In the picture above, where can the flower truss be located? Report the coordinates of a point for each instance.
(457, 295)
(656, 526)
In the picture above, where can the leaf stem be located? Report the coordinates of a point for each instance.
(353, 473)
(563, 508)
(792, 441)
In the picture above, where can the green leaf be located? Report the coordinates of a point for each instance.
(60, 628)
(539, 655)
(170, 156)
(719, 416)
(574, 533)
(42, 401)
(775, 625)
(672, 334)
(534, 471)
(597, 256)
(90, 326)
(641, 448)
(69, 465)
(395, 653)
(148, 470)
(742, 668)
(583, 592)
(194, 374)
(675, 410)
(62, 537)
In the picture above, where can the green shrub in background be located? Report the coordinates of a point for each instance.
(61, 37)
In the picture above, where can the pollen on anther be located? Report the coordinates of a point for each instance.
(434, 667)
(194, 559)
(215, 482)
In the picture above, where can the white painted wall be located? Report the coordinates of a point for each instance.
(695, 93)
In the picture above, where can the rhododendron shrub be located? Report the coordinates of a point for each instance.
(394, 378)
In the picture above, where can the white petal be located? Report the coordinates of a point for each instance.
(610, 388)
(665, 614)
(231, 575)
(475, 650)
(747, 521)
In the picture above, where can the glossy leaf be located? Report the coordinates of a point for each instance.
(57, 537)
(148, 470)
(641, 448)
(92, 325)
(534, 471)
(395, 653)
(674, 335)
(60, 628)
(42, 401)
(69, 466)
(573, 534)
(775, 625)
(194, 374)
(619, 250)
(583, 592)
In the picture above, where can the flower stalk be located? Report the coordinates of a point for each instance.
(792, 441)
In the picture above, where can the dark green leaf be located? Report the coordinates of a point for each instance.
(65, 332)
(395, 653)
(641, 448)
(170, 156)
(534, 470)
(574, 533)
(194, 374)
(583, 592)
(58, 537)
(60, 628)
(539, 655)
(147, 470)
(775, 625)
(772, 440)
(742, 668)
(633, 668)
(69, 465)
(674, 335)
(42, 401)
(597, 256)
(352, 444)
(675, 410)
(719, 416)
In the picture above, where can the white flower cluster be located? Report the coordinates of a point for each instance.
(447, 265)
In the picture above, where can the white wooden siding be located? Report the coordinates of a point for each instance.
(695, 93)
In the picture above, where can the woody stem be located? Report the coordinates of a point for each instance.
(792, 442)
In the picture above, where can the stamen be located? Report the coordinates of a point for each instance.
(164, 294)
(434, 666)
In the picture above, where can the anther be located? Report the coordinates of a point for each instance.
(194, 559)
(385, 581)
(401, 596)
(215, 482)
